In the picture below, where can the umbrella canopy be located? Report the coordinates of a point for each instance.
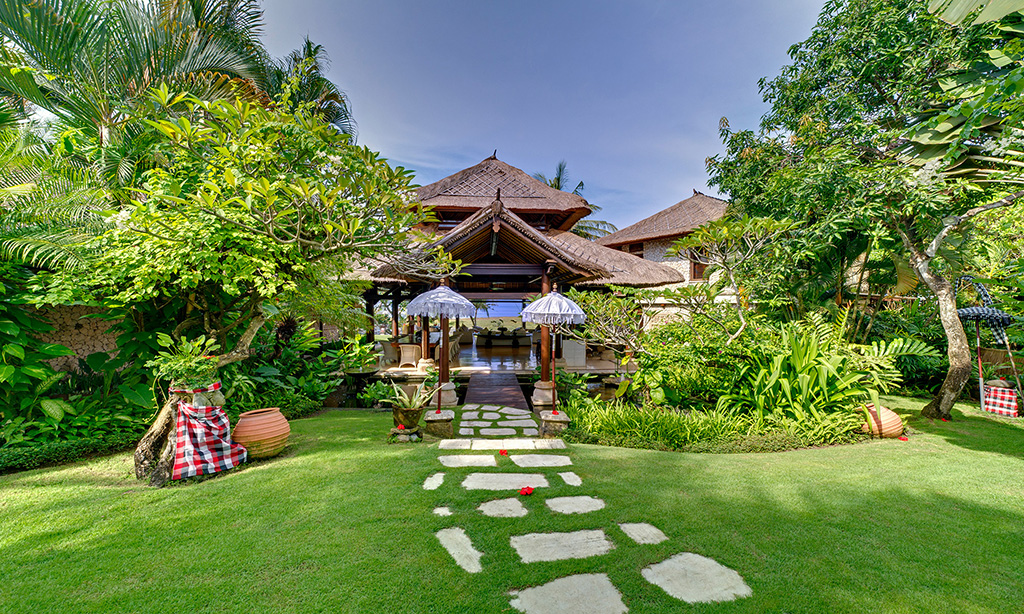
(441, 302)
(996, 320)
(553, 308)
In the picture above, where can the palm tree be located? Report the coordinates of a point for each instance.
(306, 66)
(588, 229)
(91, 63)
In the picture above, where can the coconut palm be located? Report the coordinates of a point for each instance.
(91, 63)
(586, 228)
(302, 71)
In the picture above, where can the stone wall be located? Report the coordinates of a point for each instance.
(84, 335)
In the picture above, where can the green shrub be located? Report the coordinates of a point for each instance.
(61, 452)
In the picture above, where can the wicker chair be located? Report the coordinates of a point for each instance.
(410, 355)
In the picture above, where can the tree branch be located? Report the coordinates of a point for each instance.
(933, 247)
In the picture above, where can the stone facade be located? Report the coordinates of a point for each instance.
(73, 328)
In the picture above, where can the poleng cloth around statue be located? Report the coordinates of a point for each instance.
(203, 443)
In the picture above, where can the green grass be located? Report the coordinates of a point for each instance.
(340, 523)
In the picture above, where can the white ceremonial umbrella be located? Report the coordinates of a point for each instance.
(441, 302)
(553, 309)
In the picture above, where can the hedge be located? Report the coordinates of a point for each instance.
(62, 452)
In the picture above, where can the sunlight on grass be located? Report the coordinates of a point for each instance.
(340, 523)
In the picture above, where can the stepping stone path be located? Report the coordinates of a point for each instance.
(496, 421)
(686, 576)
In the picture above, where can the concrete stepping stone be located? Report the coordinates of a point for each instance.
(470, 406)
(643, 533)
(531, 432)
(550, 444)
(491, 416)
(571, 478)
(575, 505)
(580, 594)
(468, 460)
(470, 415)
(696, 579)
(503, 481)
(467, 431)
(490, 408)
(540, 460)
(500, 444)
(454, 444)
(433, 482)
(534, 547)
(442, 511)
(512, 411)
(497, 432)
(532, 423)
(476, 423)
(458, 544)
(503, 508)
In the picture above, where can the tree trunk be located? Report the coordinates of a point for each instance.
(149, 448)
(959, 351)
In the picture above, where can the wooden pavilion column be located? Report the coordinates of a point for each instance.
(371, 303)
(424, 343)
(544, 390)
(394, 316)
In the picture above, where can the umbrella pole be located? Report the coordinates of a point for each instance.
(1013, 365)
(981, 376)
(554, 379)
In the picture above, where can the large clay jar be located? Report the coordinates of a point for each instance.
(263, 432)
(884, 423)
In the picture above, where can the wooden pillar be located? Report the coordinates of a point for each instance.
(425, 340)
(410, 326)
(545, 333)
(371, 303)
(443, 375)
(394, 316)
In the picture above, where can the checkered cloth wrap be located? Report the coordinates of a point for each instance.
(204, 441)
(1002, 401)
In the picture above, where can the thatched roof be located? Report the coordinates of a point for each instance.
(474, 188)
(624, 269)
(680, 218)
(517, 242)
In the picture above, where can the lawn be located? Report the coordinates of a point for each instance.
(340, 523)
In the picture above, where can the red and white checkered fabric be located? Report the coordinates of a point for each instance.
(204, 441)
(1002, 401)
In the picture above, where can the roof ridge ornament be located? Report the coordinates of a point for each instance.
(494, 156)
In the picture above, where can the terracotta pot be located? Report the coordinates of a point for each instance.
(888, 424)
(263, 432)
(409, 418)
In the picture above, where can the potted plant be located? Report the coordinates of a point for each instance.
(408, 408)
(189, 365)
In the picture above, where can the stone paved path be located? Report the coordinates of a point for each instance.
(479, 464)
(474, 420)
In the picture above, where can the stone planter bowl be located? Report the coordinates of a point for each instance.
(884, 423)
(409, 418)
(263, 432)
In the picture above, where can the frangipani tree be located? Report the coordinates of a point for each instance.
(248, 202)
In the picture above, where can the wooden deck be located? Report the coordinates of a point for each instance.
(496, 389)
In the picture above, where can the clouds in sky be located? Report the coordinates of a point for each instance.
(629, 93)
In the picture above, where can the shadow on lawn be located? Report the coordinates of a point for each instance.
(975, 430)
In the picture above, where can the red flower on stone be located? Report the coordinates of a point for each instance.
(554, 412)
(401, 427)
(503, 452)
(903, 439)
(526, 490)
(944, 420)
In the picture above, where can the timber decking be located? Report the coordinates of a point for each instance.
(495, 389)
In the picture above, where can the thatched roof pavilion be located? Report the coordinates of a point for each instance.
(674, 222)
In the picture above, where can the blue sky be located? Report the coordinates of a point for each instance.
(629, 93)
